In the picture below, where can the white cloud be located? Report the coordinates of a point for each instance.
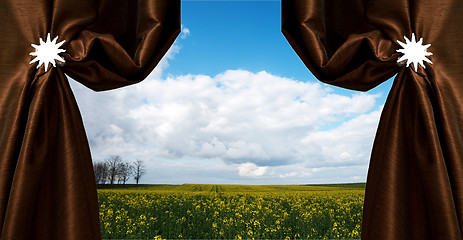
(348, 144)
(267, 125)
(184, 32)
(251, 170)
(291, 174)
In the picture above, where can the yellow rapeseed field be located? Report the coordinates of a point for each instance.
(194, 211)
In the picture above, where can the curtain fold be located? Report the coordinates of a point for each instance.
(47, 186)
(337, 44)
(415, 178)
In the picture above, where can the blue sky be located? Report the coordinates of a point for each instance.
(239, 35)
(235, 35)
(231, 102)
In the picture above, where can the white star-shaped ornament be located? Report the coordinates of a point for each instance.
(414, 52)
(47, 52)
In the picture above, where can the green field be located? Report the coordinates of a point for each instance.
(202, 211)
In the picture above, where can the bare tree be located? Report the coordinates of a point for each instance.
(113, 162)
(101, 172)
(125, 170)
(138, 170)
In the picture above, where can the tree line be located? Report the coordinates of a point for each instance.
(116, 170)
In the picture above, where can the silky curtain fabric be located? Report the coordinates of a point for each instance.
(415, 179)
(47, 186)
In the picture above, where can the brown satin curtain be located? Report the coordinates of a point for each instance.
(415, 179)
(47, 187)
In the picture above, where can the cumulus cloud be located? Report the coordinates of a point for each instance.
(237, 116)
(251, 170)
(254, 123)
(348, 144)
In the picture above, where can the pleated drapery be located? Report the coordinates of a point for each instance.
(415, 179)
(47, 186)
